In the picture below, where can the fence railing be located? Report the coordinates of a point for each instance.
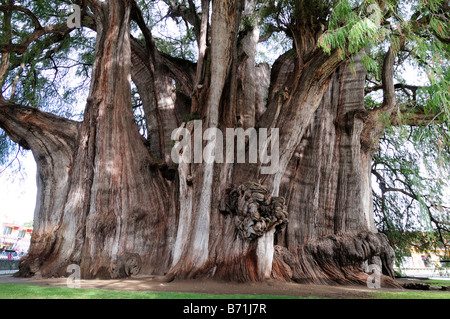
(9, 265)
(425, 272)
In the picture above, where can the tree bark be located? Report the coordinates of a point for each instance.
(331, 235)
(107, 202)
(110, 212)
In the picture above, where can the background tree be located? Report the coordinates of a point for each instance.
(111, 199)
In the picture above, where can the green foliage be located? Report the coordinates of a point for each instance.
(172, 36)
(178, 47)
(43, 75)
(46, 69)
(353, 28)
(369, 63)
(7, 148)
(411, 202)
(411, 193)
(10, 155)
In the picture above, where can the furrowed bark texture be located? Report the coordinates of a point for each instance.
(331, 235)
(114, 203)
(110, 213)
(193, 240)
(53, 141)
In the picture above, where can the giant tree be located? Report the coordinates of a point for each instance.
(120, 194)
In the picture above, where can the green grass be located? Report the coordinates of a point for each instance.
(412, 295)
(15, 291)
(438, 282)
(419, 294)
(23, 291)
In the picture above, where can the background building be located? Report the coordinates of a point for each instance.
(15, 237)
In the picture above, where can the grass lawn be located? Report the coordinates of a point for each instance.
(438, 283)
(419, 294)
(412, 295)
(14, 291)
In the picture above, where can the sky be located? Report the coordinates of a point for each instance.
(18, 192)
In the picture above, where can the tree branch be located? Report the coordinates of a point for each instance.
(188, 14)
(411, 194)
(412, 88)
(411, 117)
(7, 7)
(59, 30)
(37, 130)
(375, 126)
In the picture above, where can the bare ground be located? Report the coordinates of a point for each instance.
(211, 287)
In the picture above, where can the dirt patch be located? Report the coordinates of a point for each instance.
(210, 287)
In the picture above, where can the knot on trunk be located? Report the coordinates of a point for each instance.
(255, 211)
(129, 264)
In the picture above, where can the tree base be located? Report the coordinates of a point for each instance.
(331, 260)
(338, 259)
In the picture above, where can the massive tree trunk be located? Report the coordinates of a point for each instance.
(331, 235)
(110, 201)
(102, 201)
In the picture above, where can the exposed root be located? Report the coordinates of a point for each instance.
(338, 260)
